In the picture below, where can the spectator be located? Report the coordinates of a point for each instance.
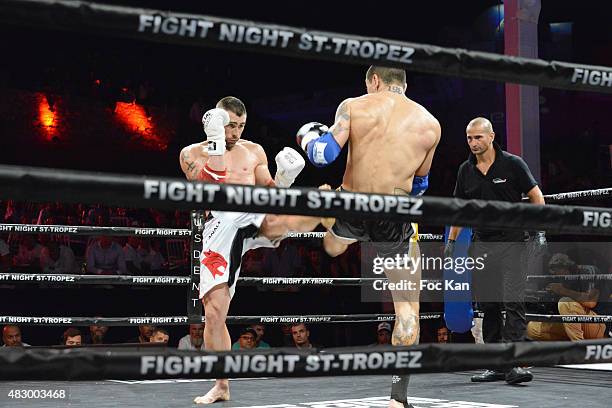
(344, 266)
(283, 261)
(260, 329)
(159, 335)
(383, 334)
(57, 258)
(105, 257)
(5, 256)
(576, 298)
(72, 337)
(97, 215)
(252, 264)
(287, 337)
(301, 336)
(132, 258)
(246, 340)
(159, 218)
(442, 334)
(316, 265)
(11, 336)
(49, 212)
(28, 255)
(181, 218)
(194, 340)
(14, 212)
(152, 260)
(97, 334)
(145, 331)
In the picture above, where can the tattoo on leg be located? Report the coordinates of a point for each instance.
(406, 330)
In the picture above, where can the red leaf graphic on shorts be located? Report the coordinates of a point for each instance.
(215, 263)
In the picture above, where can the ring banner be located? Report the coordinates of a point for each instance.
(42, 184)
(82, 363)
(600, 193)
(91, 230)
(183, 320)
(578, 277)
(157, 232)
(206, 31)
(311, 319)
(16, 277)
(569, 318)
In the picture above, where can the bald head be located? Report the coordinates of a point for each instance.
(11, 336)
(482, 124)
(480, 137)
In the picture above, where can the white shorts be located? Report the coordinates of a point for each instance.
(227, 236)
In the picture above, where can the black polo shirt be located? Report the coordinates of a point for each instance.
(508, 179)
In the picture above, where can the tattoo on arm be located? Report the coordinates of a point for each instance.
(342, 123)
(190, 165)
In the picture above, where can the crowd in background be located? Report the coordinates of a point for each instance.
(296, 335)
(83, 83)
(104, 255)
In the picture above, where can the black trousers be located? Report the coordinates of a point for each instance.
(499, 286)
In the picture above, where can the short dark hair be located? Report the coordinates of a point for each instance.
(71, 332)
(249, 330)
(387, 75)
(160, 330)
(300, 324)
(232, 104)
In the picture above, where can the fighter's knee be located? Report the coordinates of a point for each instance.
(215, 314)
(214, 317)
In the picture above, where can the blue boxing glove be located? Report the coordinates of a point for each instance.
(318, 143)
(419, 185)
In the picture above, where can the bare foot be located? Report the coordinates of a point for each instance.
(216, 393)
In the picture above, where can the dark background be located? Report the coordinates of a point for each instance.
(68, 102)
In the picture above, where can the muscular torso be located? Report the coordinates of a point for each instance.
(389, 139)
(241, 162)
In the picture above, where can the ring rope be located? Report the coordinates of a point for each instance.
(158, 232)
(192, 29)
(580, 277)
(341, 318)
(40, 184)
(179, 232)
(16, 277)
(32, 364)
(82, 363)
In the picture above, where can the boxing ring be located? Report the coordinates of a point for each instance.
(286, 378)
(174, 376)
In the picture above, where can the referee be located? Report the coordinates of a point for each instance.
(493, 174)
